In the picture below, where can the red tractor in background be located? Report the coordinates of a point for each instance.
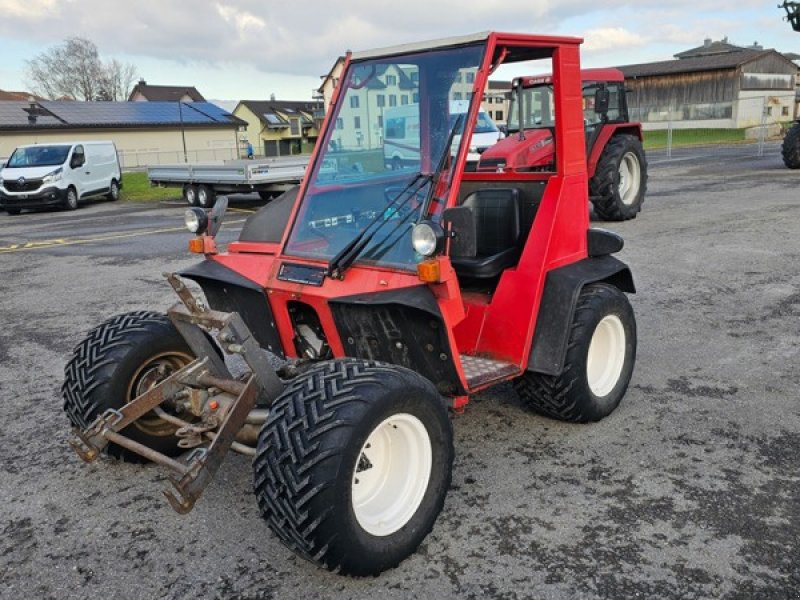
(617, 166)
(387, 296)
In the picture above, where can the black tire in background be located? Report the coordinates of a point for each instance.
(791, 147)
(615, 195)
(595, 377)
(190, 194)
(206, 196)
(117, 361)
(324, 436)
(113, 191)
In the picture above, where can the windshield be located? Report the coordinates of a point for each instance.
(38, 156)
(483, 125)
(538, 108)
(391, 127)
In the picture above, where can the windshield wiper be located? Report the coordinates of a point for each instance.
(345, 257)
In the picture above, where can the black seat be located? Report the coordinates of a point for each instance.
(497, 228)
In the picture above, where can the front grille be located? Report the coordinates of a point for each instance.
(27, 185)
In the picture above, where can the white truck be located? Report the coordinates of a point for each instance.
(201, 182)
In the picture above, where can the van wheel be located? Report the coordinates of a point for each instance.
(206, 196)
(113, 191)
(190, 194)
(71, 201)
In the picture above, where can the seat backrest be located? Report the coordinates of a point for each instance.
(497, 219)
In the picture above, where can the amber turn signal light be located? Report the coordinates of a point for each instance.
(428, 271)
(196, 245)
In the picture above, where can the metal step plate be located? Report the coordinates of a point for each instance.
(480, 371)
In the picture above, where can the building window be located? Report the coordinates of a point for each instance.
(353, 101)
(415, 98)
(769, 111)
(415, 76)
(357, 122)
(404, 99)
(392, 100)
(498, 115)
(470, 77)
(340, 123)
(380, 121)
(391, 80)
(294, 126)
(456, 95)
(381, 100)
(785, 111)
(458, 78)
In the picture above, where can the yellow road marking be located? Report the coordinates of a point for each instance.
(242, 210)
(67, 242)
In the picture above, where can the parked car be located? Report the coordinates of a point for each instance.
(59, 174)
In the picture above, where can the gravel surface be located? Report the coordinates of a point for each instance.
(690, 489)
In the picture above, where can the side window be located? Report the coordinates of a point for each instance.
(78, 157)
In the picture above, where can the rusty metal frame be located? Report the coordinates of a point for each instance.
(194, 321)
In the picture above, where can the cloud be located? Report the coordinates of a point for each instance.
(26, 10)
(607, 38)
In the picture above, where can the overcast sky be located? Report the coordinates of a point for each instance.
(249, 49)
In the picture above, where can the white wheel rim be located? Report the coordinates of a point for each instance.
(629, 177)
(391, 474)
(606, 355)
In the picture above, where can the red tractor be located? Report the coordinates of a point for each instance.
(354, 311)
(616, 160)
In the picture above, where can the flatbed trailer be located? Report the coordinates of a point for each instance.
(201, 182)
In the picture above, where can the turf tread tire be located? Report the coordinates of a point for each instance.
(790, 150)
(89, 376)
(566, 396)
(303, 451)
(604, 185)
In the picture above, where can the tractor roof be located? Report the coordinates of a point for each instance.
(586, 75)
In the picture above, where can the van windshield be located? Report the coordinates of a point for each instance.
(38, 156)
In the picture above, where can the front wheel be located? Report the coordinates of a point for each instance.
(599, 363)
(118, 361)
(620, 179)
(71, 200)
(790, 150)
(353, 464)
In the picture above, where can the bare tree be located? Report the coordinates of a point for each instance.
(74, 69)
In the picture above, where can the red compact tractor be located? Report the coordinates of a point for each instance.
(355, 310)
(617, 167)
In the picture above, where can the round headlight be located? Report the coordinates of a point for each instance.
(426, 238)
(196, 220)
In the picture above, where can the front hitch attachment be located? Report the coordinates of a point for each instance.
(212, 436)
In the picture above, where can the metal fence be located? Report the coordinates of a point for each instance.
(753, 122)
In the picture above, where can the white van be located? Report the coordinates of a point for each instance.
(59, 174)
(401, 134)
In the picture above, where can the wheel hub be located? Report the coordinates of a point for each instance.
(148, 376)
(629, 176)
(606, 355)
(391, 474)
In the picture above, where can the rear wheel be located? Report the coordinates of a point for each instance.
(791, 147)
(118, 361)
(113, 191)
(71, 200)
(206, 196)
(353, 464)
(267, 196)
(598, 365)
(620, 180)
(190, 194)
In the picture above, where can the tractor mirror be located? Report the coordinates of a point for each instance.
(602, 98)
(459, 224)
(216, 215)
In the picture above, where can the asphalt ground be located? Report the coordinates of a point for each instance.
(689, 490)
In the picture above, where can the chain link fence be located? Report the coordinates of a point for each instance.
(756, 123)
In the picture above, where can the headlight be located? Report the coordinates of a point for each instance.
(54, 176)
(196, 220)
(427, 237)
(473, 149)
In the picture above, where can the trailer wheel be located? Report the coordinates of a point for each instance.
(353, 464)
(791, 147)
(117, 361)
(620, 180)
(206, 196)
(599, 361)
(190, 194)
